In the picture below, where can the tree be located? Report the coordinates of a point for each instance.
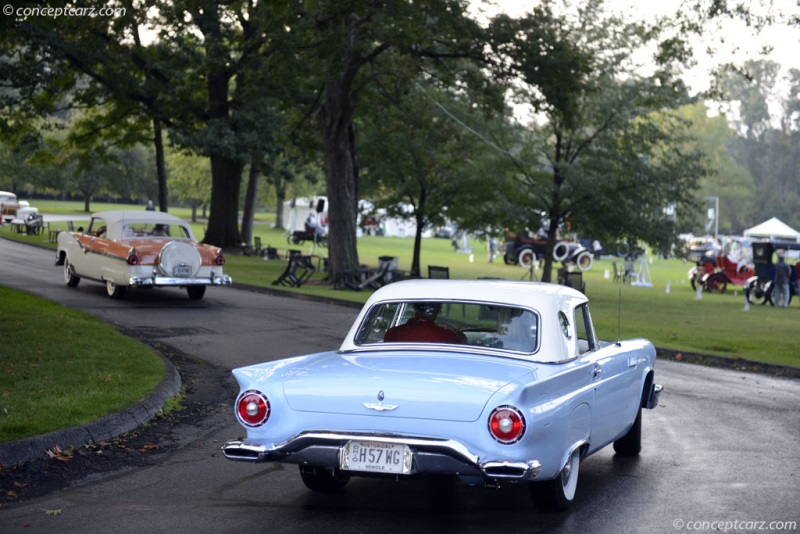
(600, 158)
(728, 180)
(352, 38)
(422, 164)
(189, 179)
(767, 142)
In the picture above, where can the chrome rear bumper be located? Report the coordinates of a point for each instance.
(159, 281)
(431, 456)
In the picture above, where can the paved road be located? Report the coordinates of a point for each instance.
(721, 448)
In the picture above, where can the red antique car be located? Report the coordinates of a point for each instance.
(732, 264)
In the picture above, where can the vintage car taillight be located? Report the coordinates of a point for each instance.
(220, 260)
(507, 424)
(252, 408)
(133, 259)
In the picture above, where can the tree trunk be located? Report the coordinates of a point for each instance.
(226, 171)
(161, 167)
(552, 236)
(419, 217)
(341, 175)
(250, 199)
(280, 198)
(223, 227)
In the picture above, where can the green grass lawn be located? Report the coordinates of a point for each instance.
(52, 378)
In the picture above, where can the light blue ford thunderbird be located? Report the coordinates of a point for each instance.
(487, 380)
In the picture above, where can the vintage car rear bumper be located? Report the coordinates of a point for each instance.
(431, 456)
(158, 281)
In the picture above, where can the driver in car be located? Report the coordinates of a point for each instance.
(422, 327)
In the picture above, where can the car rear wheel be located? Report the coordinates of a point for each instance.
(69, 275)
(114, 291)
(557, 495)
(757, 293)
(196, 292)
(631, 443)
(324, 480)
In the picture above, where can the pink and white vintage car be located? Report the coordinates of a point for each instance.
(125, 249)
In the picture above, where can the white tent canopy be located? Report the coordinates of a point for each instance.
(773, 229)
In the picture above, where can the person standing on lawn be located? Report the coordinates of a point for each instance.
(780, 283)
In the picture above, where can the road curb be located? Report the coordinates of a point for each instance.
(105, 428)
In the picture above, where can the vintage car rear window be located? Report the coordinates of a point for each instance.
(459, 323)
(144, 230)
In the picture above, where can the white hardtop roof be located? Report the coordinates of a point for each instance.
(546, 299)
(114, 220)
(526, 294)
(118, 216)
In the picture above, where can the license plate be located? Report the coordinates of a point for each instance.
(182, 270)
(376, 457)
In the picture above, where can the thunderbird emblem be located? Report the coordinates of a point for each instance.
(380, 406)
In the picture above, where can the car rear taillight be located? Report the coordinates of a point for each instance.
(219, 260)
(252, 408)
(133, 259)
(506, 424)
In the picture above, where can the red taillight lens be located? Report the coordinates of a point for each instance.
(252, 408)
(133, 259)
(220, 260)
(506, 424)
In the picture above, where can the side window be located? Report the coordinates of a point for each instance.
(584, 330)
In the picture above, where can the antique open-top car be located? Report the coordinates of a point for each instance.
(149, 249)
(491, 381)
(718, 266)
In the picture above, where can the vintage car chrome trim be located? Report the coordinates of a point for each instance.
(514, 470)
(434, 455)
(149, 281)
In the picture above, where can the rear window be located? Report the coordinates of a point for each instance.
(458, 323)
(145, 230)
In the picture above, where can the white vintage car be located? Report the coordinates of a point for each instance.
(491, 381)
(9, 204)
(125, 249)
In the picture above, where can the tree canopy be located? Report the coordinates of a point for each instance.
(277, 88)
